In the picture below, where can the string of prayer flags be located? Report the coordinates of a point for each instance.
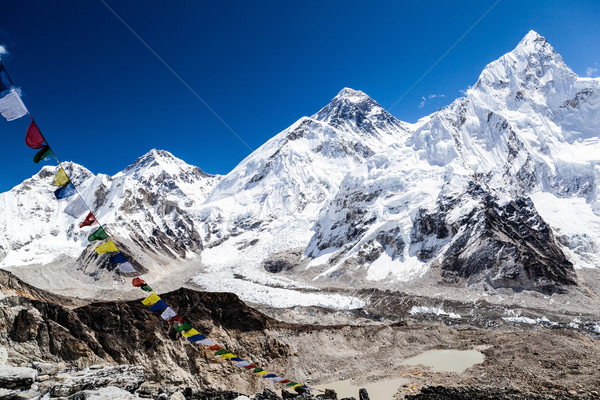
(66, 191)
(89, 220)
(11, 106)
(107, 247)
(42, 154)
(99, 234)
(76, 208)
(34, 137)
(153, 298)
(61, 178)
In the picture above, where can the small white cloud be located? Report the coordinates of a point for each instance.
(3, 50)
(429, 98)
(589, 71)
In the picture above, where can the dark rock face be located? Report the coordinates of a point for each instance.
(508, 246)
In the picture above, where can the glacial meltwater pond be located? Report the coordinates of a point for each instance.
(456, 361)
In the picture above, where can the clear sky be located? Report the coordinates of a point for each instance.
(103, 99)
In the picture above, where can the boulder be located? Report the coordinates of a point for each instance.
(16, 377)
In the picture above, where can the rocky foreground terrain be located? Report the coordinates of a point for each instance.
(56, 347)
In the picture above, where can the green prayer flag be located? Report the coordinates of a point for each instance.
(222, 351)
(146, 288)
(291, 384)
(98, 235)
(43, 153)
(257, 370)
(183, 327)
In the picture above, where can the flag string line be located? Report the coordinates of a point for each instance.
(153, 300)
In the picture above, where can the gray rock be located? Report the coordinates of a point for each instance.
(46, 368)
(7, 394)
(125, 377)
(16, 377)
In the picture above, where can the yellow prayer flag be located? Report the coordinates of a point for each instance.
(61, 178)
(190, 333)
(153, 298)
(107, 247)
(263, 373)
(295, 386)
(227, 356)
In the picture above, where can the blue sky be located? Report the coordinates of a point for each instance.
(103, 99)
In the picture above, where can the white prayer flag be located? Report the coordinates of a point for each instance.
(76, 208)
(11, 106)
(242, 364)
(168, 313)
(207, 342)
(126, 267)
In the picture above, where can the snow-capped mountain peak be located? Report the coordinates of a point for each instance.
(356, 111)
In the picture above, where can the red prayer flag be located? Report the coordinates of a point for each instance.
(215, 347)
(285, 381)
(251, 366)
(89, 220)
(138, 282)
(34, 138)
(176, 318)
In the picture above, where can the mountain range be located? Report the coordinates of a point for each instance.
(498, 190)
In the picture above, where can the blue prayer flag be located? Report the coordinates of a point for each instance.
(65, 191)
(118, 258)
(196, 338)
(158, 306)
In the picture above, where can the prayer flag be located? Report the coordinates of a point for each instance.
(89, 220)
(61, 178)
(270, 376)
(5, 83)
(285, 381)
(296, 385)
(119, 258)
(145, 288)
(168, 313)
(242, 364)
(158, 306)
(206, 342)
(227, 356)
(137, 282)
(196, 338)
(34, 138)
(176, 318)
(107, 247)
(215, 347)
(263, 372)
(127, 268)
(43, 153)
(153, 298)
(190, 333)
(100, 234)
(292, 384)
(277, 379)
(237, 359)
(12, 107)
(251, 366)
(219, 352)
(76, 207)
(183, 327)
(65, 191)
(257, 370)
